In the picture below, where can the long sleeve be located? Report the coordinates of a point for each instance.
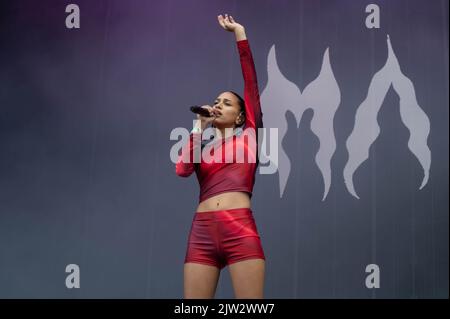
(251, 92)
(185, 165)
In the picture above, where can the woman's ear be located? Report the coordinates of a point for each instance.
(240, 119)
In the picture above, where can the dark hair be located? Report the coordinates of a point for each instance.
(241, 101)
(241, 104)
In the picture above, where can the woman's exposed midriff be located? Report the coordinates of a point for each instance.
(227, 200)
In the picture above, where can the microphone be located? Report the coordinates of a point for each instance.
(200, 110)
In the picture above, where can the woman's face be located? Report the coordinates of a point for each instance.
(227, 109)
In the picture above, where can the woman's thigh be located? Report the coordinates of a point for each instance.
(247, 277)
(200, 281)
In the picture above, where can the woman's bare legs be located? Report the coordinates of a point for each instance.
(200, 281)
(247, 277)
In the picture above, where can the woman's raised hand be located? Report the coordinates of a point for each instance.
(228, 23)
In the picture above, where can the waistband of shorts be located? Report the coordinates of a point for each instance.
(223, 214)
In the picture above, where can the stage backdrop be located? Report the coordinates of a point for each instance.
(357, 89)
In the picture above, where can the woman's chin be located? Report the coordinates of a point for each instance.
(218, 122)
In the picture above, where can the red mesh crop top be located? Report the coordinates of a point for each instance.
(233, 172)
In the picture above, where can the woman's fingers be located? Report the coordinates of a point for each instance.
(211, 113)
(226, 22)
(222, 21)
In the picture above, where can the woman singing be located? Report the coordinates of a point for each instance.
(223, 230)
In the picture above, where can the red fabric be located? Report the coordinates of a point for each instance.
(223, 237)
(229, 174)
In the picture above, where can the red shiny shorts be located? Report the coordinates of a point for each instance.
(223, 237)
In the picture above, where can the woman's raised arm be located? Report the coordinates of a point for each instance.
(253, 112)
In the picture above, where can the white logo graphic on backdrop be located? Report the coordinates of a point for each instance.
(323, 96)
(414, 118)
